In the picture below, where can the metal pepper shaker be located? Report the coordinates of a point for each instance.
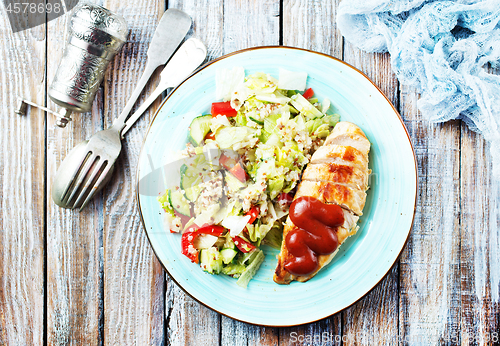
(95, 36)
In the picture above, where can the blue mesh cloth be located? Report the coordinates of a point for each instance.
(444, 49)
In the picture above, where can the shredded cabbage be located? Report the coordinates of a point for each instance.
(227, 80)
(165, 203)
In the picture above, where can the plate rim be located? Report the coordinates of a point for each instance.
(209, 63)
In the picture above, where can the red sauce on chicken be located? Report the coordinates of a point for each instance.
(315, 233)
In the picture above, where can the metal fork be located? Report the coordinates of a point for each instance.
(90, 164)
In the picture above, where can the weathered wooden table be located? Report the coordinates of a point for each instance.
(91, 278)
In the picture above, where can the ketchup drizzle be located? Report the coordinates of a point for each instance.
(315, 233)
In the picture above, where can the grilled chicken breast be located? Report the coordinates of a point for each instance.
(337, 174)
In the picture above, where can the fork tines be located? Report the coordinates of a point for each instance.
(85, 181)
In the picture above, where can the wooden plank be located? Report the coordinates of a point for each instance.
(187, 321)
(250, 23)
(430, 265)
(374, 319)
(74, 239)
(236, 333)
(207, 25)
(480, 243)
(311, 25)
(22, 218)
(74, 260)
(133, 277)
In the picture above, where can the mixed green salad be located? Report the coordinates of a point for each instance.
(240, 167)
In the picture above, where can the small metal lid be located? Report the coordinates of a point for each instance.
(96, 17)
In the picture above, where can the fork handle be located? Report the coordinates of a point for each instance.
(187, 58)
(148, 71)
(137, 114)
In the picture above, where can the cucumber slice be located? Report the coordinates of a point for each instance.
(211, 260)
(194, 191)
(179, 202)
(203, 258)
(232, 182)
(190, 182)
(199, 128)
(228, 255)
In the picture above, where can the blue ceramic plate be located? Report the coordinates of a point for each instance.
(363, 260)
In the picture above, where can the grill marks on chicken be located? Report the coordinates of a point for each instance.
(337, 174)
(344, 153)
(347, 196)
(349, 135)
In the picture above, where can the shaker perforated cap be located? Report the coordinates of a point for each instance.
(102, 19)
(97, 26)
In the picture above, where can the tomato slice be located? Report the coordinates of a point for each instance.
(187, 247)
(285, 198)
(239, 172)
(223, 108)
(227, 162)
(243, 245)
(184, 218)
(212, 230)
(187, 240)
(308, 93)
(254, 213)
(210, 135)
(234, 167)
